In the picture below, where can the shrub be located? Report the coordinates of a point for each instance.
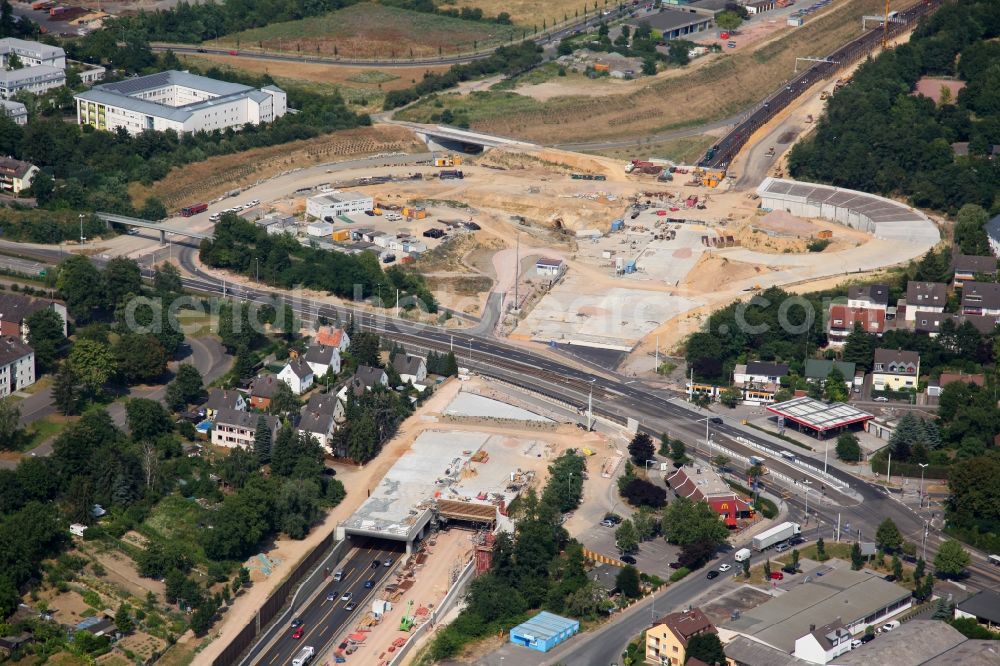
(679, 574)
(640, 492)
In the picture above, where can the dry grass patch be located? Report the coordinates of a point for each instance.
(528, 12)
(212, 177)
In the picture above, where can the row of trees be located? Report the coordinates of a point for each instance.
(282, 261)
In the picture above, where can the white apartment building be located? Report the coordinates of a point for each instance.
(15, 111)
(17, 366)
(328, 206)
(234, 428)
(35, 80)
(178, 101)
(31, 54)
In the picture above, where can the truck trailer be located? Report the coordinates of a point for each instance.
(304, 656)
(775, 535)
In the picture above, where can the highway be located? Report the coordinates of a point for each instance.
(324, 620)
(720, 155)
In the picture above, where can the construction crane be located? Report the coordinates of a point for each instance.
(885, 27)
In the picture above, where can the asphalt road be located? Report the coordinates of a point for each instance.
(324, 620)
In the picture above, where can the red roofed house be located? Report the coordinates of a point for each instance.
(842, 318)
(331, 336)
(702, 483)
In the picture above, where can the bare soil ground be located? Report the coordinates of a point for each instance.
(711, 270)
(727, 83)
(524, 12)
(121, 571)
(210, 178)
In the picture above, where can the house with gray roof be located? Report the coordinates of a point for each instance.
(234, 428)
(179, 101)
(912, 643)
(224, 399)
(411, 368)
(320, 417)
(983, 607)
(298, 375)
(322, 359)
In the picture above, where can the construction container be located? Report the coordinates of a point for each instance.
(341, 235)
(602, 67)
(825, 233)
(617, 225)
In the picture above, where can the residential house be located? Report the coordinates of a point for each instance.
(869, 296)
(234, 428)
(322, 359)
(981, 298)
(262, 391)
(667, 639)
(822, 644)
(15, 310)
(16, 175)
(992, 229)
(17, 365)
(925, 297)
(605, 576)
(759, 381)
(365, 378)
(842, 318)
(968, 268)
(411, 368)
(331, 336)
(935, 386)
(14, 110)
(983, 607)
(818, 369)
(320, 416)
(298, 375)
(549, 267)
(11, 644)
(224, 399)
(895, 370)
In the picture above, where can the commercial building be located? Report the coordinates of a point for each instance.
(31, 79)
(548, 267)
(914, 643)
(15, 175)
(667, 638)
(332, 204)
(698, 483)
(276, 223)
(895, 370)
(672, 23)
(15, 310)
(818, 417)
(15, 111)
(983, 607)
(17, 365)
(981, 298)
(31, 54)
(924, 297)
(968, 267)
(234, 428)
(759, 381)
(179, 101)
(544, 631)
(854, 599)
(742, 651)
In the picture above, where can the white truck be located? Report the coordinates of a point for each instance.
(775, 535)
(742, 555)
(304, 656)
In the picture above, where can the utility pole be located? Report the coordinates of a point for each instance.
(517, 267)
(838, 527)
(590, 407)
(922, 466)
(397, 303)
(924, 555)
(656, 366)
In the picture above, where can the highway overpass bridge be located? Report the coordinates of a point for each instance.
(135, 222)
(455, 139)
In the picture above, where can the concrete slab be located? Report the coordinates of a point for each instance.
(470, 404)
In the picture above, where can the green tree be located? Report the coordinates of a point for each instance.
(627, 582)
(42, 188)
(123, 618)
(641, 448)
(45, 335)
(970, 230)
(626, 538)
(951, 560)
(284, 401)
(685, 521)
(646, 523)
(66, 390)
(728, 20)
(664, 449)
(834, 388)
(857, 559)
(848, 447)
(262, 440)
(795, 559)
(821, 550)
(746, 568)
(767, 569)
(140, 357)
(82, 286)
(122, 279)
(185, 388)
(147, 419)
(730, 397)
(859, 348)
(943, 610)
(918, 570)
(10, 416)
(707, 647)
(364, 349)
(94, 363)
(167, 279)
(451, 365)
(888, 537)
(153, 210)
(897, 567)
(678, 452)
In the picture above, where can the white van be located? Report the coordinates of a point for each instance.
(742, 555)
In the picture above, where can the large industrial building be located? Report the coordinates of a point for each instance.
(178, 101)
(332, 204)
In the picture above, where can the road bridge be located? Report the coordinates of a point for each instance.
(453, 138)
(136, 222)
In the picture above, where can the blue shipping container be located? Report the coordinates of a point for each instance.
(617, 225)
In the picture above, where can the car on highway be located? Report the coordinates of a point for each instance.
(297, 634)
(375, 564)
(387, 562)
(777, 575)
(338, 574)
(724, 568)
(346, 596)
(350, 606)
(370, 583)
(715, 419)
(296, 623)
(628, 559)
(332, 596)
(712, 574)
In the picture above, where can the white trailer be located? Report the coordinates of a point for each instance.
(304, 656)
(775, 535)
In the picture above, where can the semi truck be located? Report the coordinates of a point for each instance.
(775, 535)
(304, 656)
(453, 174)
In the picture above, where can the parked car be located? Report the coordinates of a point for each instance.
(881, 398)
(613, 517)
(712, 574)
(607, 523)
(781, 547)
(724, 568)
(777, 575)
(795, 541)
(867, 638)
(297, 634)
(628, 559)
(889, 626)
(789, 569)
(675, 565)
(856, 643)
(890, 577)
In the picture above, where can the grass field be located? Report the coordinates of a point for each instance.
(726, 84)
(374, 31)
(529, 12)
(175, 518)
(682, 151)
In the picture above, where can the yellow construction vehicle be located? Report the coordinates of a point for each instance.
(448, 161)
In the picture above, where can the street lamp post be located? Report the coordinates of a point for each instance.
(647, 465)
(808, 485)
(82, 239)
(922, 467)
